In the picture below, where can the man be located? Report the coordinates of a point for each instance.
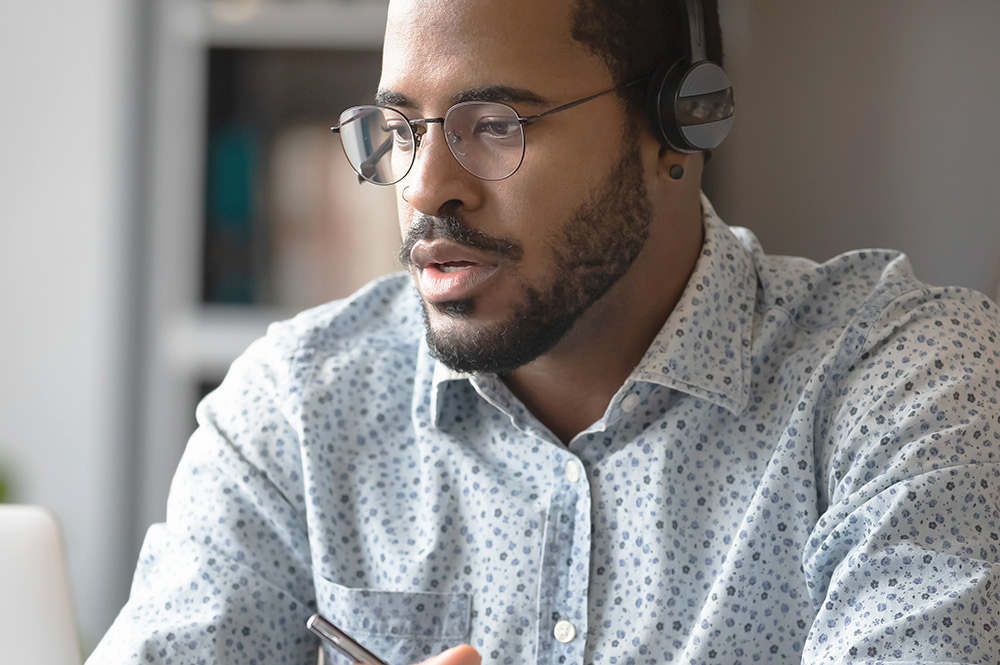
(606, 428)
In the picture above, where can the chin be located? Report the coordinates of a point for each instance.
(471, 344)
(455, 309)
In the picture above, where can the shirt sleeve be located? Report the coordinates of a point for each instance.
(226, 578)
(902, 565)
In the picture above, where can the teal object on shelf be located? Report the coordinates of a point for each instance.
(232, 274)
(233, 161)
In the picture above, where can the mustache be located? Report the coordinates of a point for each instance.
(454, 228)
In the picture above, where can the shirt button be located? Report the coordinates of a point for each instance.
(565, 631)
(572, 471)
(630, 402)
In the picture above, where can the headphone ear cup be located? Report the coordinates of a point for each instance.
(660, 99)
(691, 107)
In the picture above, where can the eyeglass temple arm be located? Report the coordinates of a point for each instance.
(367, 167)
(532, 118)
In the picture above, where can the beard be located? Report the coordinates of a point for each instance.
(598, 244)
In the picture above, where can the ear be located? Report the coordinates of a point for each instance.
(676, 167)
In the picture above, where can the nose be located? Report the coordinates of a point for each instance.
(437, 184)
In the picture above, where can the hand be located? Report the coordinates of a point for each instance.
(463, 654)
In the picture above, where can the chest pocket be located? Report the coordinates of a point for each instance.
(401, 628)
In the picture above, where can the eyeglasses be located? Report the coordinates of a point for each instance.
(486, 138)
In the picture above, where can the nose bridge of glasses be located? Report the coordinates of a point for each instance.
(419, 127)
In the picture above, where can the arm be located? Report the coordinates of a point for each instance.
(226, 579)
(903, 563)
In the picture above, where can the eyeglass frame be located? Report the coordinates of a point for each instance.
(424, 122)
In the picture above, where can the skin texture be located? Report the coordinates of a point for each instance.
(440, 51)
(596, 247)
(459, 655)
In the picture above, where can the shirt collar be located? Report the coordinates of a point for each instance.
(489, 386)
(704, 347)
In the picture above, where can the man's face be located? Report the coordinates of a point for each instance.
(506, 268)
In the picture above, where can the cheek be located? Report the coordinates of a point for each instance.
(532, 210)
(563, 168)
(540, 199)
(534, 214)
(403, 212)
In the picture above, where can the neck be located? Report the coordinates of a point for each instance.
(569, 388)
(567, 395)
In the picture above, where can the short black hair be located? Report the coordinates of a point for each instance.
(634, 37)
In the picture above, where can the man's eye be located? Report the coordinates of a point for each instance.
(499, 128)
(400, 132)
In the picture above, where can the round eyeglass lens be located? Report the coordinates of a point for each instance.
(485, 138)
(378, 143)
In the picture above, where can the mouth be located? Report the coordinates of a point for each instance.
(447, 271)
(454, 266)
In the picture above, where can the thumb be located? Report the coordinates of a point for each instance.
(463, 654)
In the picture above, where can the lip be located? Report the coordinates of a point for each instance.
(448, 271)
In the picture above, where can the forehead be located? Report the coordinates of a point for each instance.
(440, 47)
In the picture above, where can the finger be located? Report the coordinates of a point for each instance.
(463, 654)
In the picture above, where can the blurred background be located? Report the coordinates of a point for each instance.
(170, 186)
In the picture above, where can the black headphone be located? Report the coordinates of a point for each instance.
(691, 100)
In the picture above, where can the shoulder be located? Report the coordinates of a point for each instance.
(862, 288)
(382, 319)
(383, 314)
(331, 352)
(829, 294)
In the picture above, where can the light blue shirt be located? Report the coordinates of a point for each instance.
(803, 467)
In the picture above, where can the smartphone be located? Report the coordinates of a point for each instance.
(341, 641)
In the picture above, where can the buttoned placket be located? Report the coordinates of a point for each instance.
(563, 596)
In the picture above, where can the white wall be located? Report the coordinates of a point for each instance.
(867, 123)
(63, 123)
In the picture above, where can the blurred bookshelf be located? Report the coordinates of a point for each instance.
(252, 213)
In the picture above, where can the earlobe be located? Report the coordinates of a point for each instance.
(671, 164)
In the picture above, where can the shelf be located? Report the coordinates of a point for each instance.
(205, 342)
(285, 222)
(342, 24)
(245, 91)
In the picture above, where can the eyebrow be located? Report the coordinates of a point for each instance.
(492, 93)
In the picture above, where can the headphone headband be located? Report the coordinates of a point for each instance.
(691, 100)
(697, 50)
